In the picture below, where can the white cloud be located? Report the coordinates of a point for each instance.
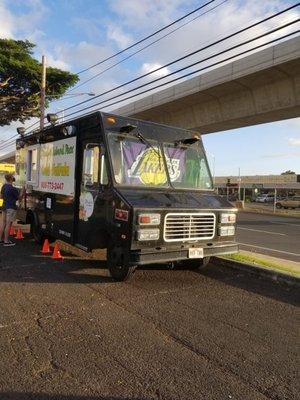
(294, 141)
(116, 34)
(25, 26)
(148, 67)
(282, 155)
(19, 26)
(227, 18)
(6, 22)
(57, 63)
(101, 33)
(80, 55)
(147, 14)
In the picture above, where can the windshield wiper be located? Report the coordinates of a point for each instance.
(129, 128)
(187, 141)
(142, 138)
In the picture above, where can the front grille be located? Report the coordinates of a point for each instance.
(180, 227)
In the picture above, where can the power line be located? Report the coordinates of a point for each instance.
(144, 48)
(185, 57)
(94, 105)
(11, 140)
(7, 140)
(190, 73)
(186, 75)
(147, 37)
(8, 145)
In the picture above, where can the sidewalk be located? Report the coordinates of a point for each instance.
(268, 210)
(261, 264)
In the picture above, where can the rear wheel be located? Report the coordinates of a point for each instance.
(36, 232)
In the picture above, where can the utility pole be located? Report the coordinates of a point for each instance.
(43, 93)
(239, 184)
(275, 201)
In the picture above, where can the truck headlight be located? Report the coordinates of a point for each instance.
(149, 219)
(226, 230)
(147, 234)
(228, 218)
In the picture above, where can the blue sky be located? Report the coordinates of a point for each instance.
(261, 149)
(74, 34)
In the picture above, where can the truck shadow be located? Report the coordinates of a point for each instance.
(256, 284)
(24, 263)
(44, 396)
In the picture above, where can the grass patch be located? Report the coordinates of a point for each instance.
(260, 262)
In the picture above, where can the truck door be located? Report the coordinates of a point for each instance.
(92, 205)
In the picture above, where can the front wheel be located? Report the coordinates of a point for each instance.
(117, 264)
(121, 273)
(278, 205)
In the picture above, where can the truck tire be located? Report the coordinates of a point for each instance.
(278, 205)
(36, 232)
(117, 265)
(121, 273)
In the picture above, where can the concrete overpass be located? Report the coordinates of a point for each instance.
(8, 158)
(262, 87)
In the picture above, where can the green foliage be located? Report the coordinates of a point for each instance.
(289, 172)
(20, 79)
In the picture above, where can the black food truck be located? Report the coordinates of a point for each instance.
(141, 190)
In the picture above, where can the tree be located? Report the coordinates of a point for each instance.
(289, 172)
(20, 79)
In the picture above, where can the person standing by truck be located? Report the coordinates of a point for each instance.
(10, 196)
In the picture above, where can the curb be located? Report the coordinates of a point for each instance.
(258, 271)
(267, 212)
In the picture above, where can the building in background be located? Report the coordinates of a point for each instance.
(249, 187)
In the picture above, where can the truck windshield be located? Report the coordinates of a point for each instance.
(187, 166)
(138, 163)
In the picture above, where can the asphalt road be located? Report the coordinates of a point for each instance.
(68, 332)
(271, 235)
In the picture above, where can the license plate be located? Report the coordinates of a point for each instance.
(196, 252)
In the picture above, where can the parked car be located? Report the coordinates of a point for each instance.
(289, 202)
(265, 198)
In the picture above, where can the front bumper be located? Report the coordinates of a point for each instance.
(154, 256)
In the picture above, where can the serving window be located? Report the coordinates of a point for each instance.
(32, 165)
(94, 166)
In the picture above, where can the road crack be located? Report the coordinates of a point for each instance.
(184, 344)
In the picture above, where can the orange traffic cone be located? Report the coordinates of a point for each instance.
(12, 231)
(46, 247)
(56, 253)
(19, 234)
